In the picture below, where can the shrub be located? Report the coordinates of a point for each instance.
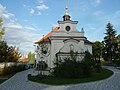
(88, 64)
(117, 62)
(98, 68)
(12, 69)
(21, 67)
(69, 67)
(8, 70)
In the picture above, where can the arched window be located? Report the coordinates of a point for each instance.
(71, 47)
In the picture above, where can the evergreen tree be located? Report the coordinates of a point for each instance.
(110, 42)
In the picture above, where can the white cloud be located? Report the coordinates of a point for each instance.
(35, 10)
(4, 14)
(17, 34)
(42, 7)
(98, 1)
(30, 28)
(39, 13)
(7, 15)
(14, 26)
(24, 5)
(40, 1)
(23, 40)
(32, 11)
(97, 13)
(2, 8)
(83, 6)
(26, 20)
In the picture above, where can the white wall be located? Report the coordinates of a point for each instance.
(55, 47)
(88, 47)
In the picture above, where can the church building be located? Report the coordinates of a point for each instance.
(61, 41)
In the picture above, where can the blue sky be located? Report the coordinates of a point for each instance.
(26, 21)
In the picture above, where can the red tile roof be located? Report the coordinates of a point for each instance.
(46, 37)
(23, 59)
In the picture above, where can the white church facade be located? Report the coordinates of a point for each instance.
(61, 40)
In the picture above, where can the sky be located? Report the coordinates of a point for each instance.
(26, 21)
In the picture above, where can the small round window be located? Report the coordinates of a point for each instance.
(68, 28)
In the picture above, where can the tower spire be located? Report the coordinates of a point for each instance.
(66, 12)
(66, 16)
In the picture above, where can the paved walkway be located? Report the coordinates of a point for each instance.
(19, 82)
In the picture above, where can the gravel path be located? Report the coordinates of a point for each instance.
(19, 82)
(112, 83)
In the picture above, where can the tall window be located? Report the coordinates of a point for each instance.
(71, 47)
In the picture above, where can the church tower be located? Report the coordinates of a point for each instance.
(67, 25)
(66, 16)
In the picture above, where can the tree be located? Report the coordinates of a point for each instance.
(31, 58)
(3, 51)
(8, 53)
(14, 54)
(118, 46)
(97, 51)
(110, 42)
(117, 56)
(2, 29)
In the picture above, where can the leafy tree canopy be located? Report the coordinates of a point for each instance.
(97, 49)
(8, 53)
(2, 29)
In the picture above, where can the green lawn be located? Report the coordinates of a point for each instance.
(6, 77)
(63, 81)
(2, 80)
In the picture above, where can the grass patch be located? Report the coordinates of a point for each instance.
(106, 63)
(2, 80)
(6, 77)
(64, 81)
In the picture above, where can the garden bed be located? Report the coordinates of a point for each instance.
(65, 81)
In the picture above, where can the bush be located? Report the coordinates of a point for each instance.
(98, 68)
(117, 62)
(71, 68)
(88, 64)
(13, 69)
(8, 70)
(20, 68)
(67, 69)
